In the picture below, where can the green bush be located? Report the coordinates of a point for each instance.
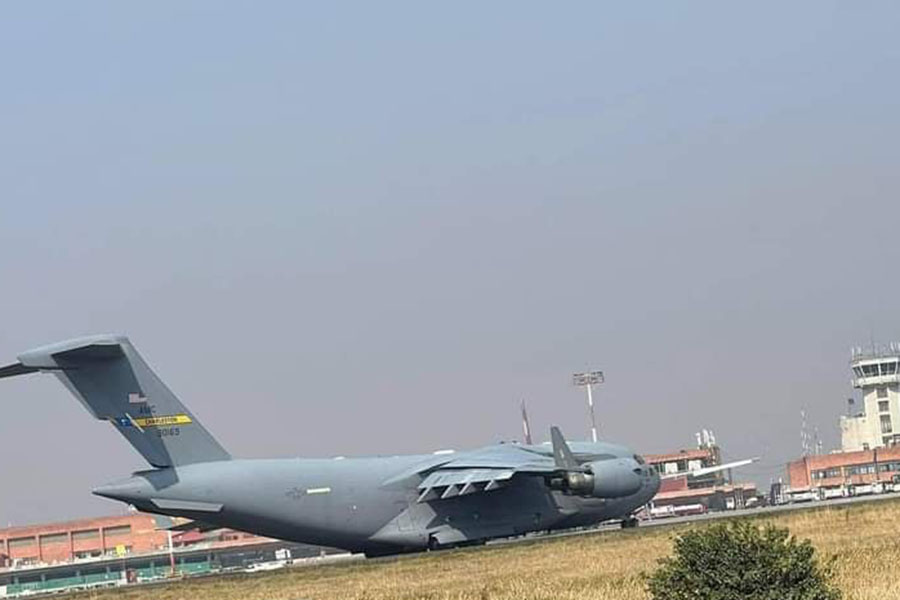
(740, 561)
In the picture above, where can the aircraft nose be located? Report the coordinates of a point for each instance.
(646, 474)
(639, 470)
(632, 476)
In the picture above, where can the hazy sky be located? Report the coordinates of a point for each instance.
(352, 228)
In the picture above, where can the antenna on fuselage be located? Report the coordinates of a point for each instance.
(526, 428)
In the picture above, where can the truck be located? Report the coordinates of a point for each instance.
(802, 496)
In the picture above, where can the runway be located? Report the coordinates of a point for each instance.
(710, 516)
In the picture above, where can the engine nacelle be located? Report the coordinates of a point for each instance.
(614, 478)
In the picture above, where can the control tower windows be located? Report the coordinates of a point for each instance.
(889, 368)
(884, 406)
(858, 371)
(882, 391)
(870, 370)
(886, 424)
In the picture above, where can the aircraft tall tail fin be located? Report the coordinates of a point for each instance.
(526, 426)
(114, 383)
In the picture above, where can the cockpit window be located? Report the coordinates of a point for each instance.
(638, 459)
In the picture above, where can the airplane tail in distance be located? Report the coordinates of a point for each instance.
(114, 383)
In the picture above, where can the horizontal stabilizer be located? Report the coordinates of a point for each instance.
(16, 369)
(198, 526)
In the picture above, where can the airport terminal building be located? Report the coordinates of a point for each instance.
(133, 548)
(869, 458)
(845, 473)
(84, 539)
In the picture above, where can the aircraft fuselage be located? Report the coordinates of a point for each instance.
(360, 504)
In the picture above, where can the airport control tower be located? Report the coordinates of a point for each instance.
(876, 373)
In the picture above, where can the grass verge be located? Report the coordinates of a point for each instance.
(608, 565)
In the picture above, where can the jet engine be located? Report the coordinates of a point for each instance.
(612, 478)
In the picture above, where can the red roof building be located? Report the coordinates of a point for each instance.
(92, 539)
(712, 491)
(82, 539)
(862, 467)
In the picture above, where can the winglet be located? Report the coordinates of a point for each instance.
(562, 454)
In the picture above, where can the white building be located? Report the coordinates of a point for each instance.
(877, 375)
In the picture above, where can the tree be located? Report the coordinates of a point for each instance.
(741, 561)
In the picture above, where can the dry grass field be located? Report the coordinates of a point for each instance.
(609, 565)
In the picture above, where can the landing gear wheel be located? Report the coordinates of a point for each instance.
(629, 523)
(432, 543)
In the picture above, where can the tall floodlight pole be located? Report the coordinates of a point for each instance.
(589, 380)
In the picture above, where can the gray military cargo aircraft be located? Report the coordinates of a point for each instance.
(378, 505)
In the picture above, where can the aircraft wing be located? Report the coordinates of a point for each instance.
(491, 468)
(526, 462)
(449, 483)
(708, 470)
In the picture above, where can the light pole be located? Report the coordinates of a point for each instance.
(589, 380)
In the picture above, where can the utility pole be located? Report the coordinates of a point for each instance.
(804, 433)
